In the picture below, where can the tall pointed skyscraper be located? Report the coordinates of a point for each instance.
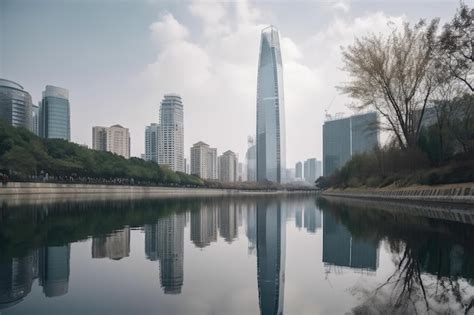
(271, 142)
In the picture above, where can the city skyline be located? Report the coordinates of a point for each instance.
(169, 34)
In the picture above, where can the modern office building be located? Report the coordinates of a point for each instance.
(271, 255)
(35, 119)
(271, 142)
(152, 139)
(312, 170)
(54, 269)
(171, 145)
(55, 116)
(15, 104)
(113, 246)
(345, 137)
(228, 167)
(115, 139)
(251, 157)
(299, 170)
(204, 161)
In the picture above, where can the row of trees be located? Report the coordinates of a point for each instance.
(24, 156)
(420, 80)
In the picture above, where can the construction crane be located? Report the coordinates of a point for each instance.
(326, 111)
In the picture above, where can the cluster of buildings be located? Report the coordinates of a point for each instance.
(265, 159)
(50, 118)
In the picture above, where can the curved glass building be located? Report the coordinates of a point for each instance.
(271, 155)
(55, 114)
(15, 104)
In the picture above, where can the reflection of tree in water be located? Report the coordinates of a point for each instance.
(434, 268)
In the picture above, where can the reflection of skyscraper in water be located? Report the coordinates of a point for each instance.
(204, 225)
(271, 252)
(299, 218)
(16, 278)
(228, 222)
(251, 231)
(170, 248)
(54, 269)
(151, 241)
(341, 249)
(312, 218)
(114, 246)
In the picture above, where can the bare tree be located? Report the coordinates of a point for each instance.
(456, 46)
(394, 75)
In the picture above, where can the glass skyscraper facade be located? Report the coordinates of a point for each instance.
(55, 114)
(171, 138)
(271, 155)
(345, 137)
(15, 104)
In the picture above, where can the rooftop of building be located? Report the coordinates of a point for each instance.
(200, 144)
(10, 84)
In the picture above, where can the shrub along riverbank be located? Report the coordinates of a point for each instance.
(25, 156)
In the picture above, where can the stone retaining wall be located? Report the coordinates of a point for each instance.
(456, 193)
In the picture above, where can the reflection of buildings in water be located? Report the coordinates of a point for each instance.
(54, 269)
(151, 241)
(114, 246)
(299, 218)
(271, 252)
(204, 225)
(312, 218)
(16, 278)
(228, 222)
(170, 249)
(251, 230)
(341, 249)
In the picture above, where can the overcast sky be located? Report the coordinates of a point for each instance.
(118, 58)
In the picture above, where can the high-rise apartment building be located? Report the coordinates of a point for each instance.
(115, 139)
(171, 145)
(271, 142)
(152, 139)
(55, 117)
(228, 167)
(345, 137)
(15, 104)
(204, 161)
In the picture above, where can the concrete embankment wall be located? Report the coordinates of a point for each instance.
(455, 193)
(23, 189)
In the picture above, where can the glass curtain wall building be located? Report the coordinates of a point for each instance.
(271, 155)
(15, 104)
(55, 114)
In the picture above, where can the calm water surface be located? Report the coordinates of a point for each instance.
(293, 255)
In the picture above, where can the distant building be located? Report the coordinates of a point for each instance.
(228, 167)
(345, 137)
(241, 172)
(115, 139)
(312, 170)
(35, 119)
(204, 161)
(299, 170)
(251, 158)
(55, 116)
(271, 136)
(152, 135)
(15, 104)
(171, 145)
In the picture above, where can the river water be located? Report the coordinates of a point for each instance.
(253, 255)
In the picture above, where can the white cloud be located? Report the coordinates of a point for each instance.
(216, 73)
